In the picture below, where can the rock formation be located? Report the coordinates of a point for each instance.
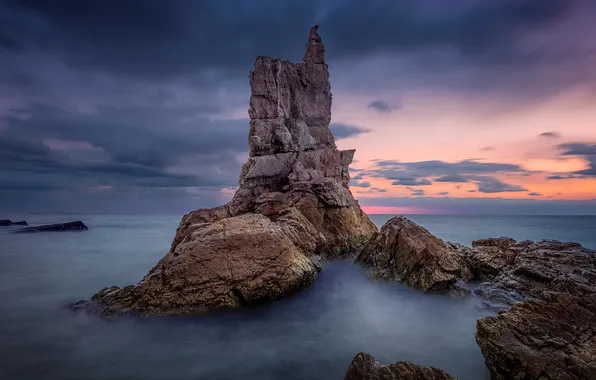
(69, 226)
(293, 158)
(365, 367)
(404, 251)
(549, 332)
(518, 271)
(550, 339)
(292, 206)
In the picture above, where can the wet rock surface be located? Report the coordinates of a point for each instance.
(233, 262)
(292, 208)
(405, 251)
(552, 338)
(365, 367)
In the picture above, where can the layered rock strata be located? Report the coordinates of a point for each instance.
(405, 251)
(292, 207)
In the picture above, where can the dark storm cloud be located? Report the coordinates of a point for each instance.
(415, 192)
(410, 181)
(585, 150)
(446, 171)
(120, 96)
(452, 178)
(381, 106)
(342, 131)
(489, 185)
(550, 134)
(159, 39)
(363, 184)
(422, 172)
(152, 148)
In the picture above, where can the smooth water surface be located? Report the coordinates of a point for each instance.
(313, 335)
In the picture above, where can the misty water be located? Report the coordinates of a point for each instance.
(313, 335)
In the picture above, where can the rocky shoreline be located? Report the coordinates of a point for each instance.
(293, 210)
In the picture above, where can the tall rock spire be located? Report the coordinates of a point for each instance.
(315, 50)
(292, 206)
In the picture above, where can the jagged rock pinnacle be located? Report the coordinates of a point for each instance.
(315, 50)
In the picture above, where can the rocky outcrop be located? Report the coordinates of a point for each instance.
(8, 222)
(365, 367)
(528, 269)
(551, 339)
(550, 331)
(293, 160)
(234, 262)
(292, 207)
(405, 251)
(69, 226)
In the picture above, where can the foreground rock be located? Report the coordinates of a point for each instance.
(292, 207)
(550, 339)
(519, 271)
(70, 226)
(364, 367)
(234, 262)
(404, 251)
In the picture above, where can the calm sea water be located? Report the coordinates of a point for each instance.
(313, 335)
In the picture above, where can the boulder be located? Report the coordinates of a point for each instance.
(292, 208)
(5, 222)
(365, 367)
(69, 226)
(230, 263)
(405, 251)
(551, 339)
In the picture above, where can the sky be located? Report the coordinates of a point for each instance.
(459, 107)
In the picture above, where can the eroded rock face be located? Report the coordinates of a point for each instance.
(364, 367)
(292, 207)
(550, 339)
(293, 160)
(405, 251)
(528, 269)
(233, 262)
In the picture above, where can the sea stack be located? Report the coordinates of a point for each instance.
(292, 207)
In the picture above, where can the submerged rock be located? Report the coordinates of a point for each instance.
(5, 222)
(405, 251)
(365, 367)
(70, 226)
(21, 223)
(292, 207)
(550, 339)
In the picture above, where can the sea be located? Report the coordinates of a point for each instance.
(312, 335)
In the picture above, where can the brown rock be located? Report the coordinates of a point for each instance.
(292, 207)
(550, 339)
(404, 251)
(364, 367)
(315, 51)
(233, 262)
(528, 269)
